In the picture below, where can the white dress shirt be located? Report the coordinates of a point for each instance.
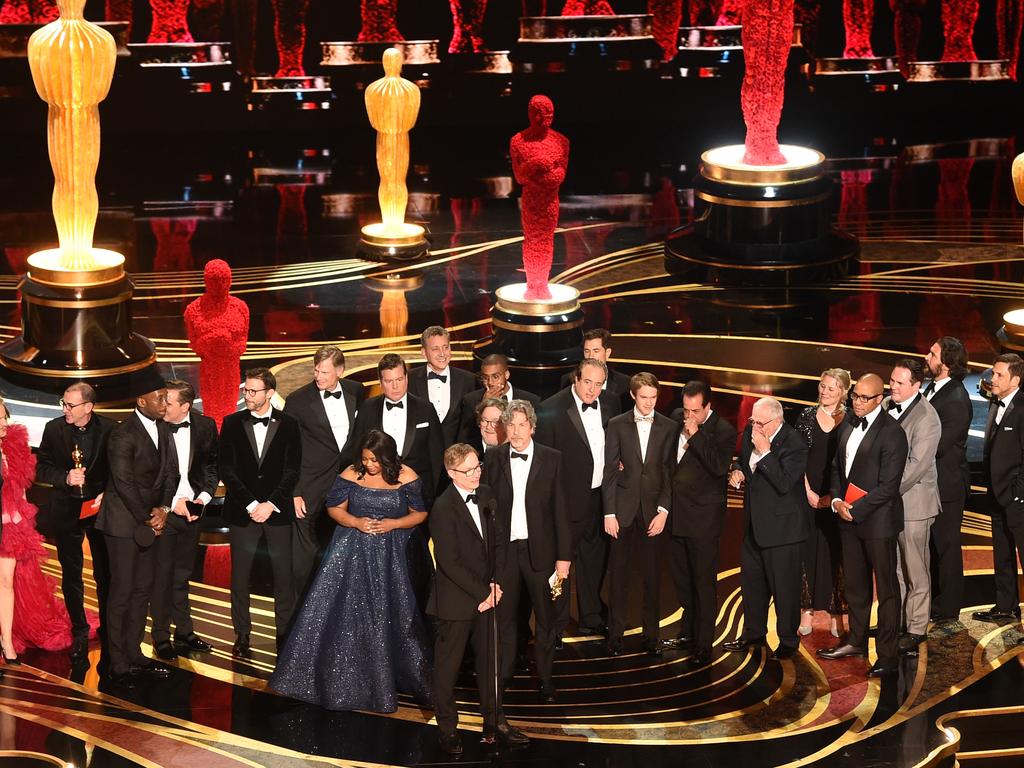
(474, 509)
(857, 437)
(440, 392)
(183, 447)
(150, 426)
(337, 415)
(683, 439)
(595, 437)
(1000, 412)
(520, 472)
(756, 457)
(393, 420)
(259, 431)
(643, 431)
(937, 385)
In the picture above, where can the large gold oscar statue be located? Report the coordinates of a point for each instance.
(72, 62)
(392, 104)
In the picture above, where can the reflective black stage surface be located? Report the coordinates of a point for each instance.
(940, 236)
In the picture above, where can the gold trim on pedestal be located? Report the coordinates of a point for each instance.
(1014, 322)
(762, 203)
(415, 235)
(394, 283)
(761, 176)
(77, 304)
(45, 267)
(505, 325)
(78, 373)
(514, 305)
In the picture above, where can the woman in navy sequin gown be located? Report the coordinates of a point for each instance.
(360, 636)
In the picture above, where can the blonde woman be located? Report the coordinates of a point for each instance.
(822, 552)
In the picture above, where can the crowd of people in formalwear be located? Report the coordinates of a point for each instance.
(528, 502)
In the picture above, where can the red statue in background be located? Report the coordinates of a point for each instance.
(217, 325)
(170, 22)
(731, 14)
(667, 15)
(540, 157)
(290, 36)
(28, 12)
(378, 17)
(119, 10)
(958, 18)
(1009, 21)
(468, 23)
(587, 8)
(767, 37)
(858, 16)
(907, 22)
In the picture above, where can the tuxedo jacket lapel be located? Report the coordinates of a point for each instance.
(251, 436)
(990, 423)
(845, 430)
(410, 428)
(864, 448)
(467, 517)
(319, 408)
(577, 421)
(350, 407)
(271, 431)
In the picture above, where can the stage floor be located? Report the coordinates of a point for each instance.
(941, 254)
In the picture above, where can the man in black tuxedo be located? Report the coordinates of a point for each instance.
(464, 595)
(1004, 458)
(947, 365)
(440, 383)
(700, 459)
(260, 458)
(132, 515)
(637, 497)
(80, 426)
(870, 459)
(525, 478)
(773, 459)
(573, 422)
(597, 345)
(326, 411)
(411, 421)
(194, 439)
(494, 377)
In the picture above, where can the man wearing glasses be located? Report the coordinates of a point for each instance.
(869, 464)
(73, 488)
(773, 459)
(494, 378)
(260, 455)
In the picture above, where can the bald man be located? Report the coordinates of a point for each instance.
(870, 459)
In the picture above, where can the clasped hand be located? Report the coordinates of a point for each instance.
(374, 527)
(157, 519)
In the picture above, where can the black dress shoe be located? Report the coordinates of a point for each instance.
(652, 647)
(615, 647)
(450, 743)
(241, 648)
(996, 615)
(547, 693)
(700, 659)
(735, 646)
(880, 669)
(123, 680)
(842, 651)
(784, 652)
(193, 643)
(679, 641)
(152, 669)
(909, 642)
(511, 737)
(79, 648)
(165, 650)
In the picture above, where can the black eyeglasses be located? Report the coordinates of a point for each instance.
(761, 424)
(471, 471)
(252, 392)
(70, 406)
(857, 397)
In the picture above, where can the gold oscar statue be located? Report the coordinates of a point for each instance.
(72, 62)
(1017, 174)
(392, 104)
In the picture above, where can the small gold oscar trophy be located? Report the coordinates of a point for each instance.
(556, 588)
(78, 491)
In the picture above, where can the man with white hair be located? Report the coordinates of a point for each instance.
(773, 459)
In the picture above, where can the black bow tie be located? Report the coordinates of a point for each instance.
(929, 389)
(391, 405)
(438, 376)
(176, 427)
(257, 420)
(333, 394)
(860, 421)
(895, 407)
(590, 405)
(1000, 404)
(504, 398)
(523, 456)
(471, 498)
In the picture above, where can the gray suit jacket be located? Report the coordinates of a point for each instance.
(920, 485)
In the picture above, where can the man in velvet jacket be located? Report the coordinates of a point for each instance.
(260, 457)
(773, 459)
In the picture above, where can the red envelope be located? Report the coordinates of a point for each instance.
(854, 493)
(89, 508)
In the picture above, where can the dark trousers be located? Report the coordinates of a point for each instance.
(861, 559)
(450, 639)
(948, 559)
(131, 584)
(72, 559)
(175, 559)
(306, 551)
(536, 584)
(695, 573)
(590, 560)
(1007, 541)
(244, 541)
(774, 572)
(633, 550)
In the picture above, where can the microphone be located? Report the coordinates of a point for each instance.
(490, 508)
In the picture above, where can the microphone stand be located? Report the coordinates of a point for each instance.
(492, 633)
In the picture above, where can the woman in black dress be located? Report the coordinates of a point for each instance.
(822, 552)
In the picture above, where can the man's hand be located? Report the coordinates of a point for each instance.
(300, 507)
(760, 440)
(562, 568)
(201, 502)
(843, 510)
(261, 512)
(812, 498)
(690, 426)
(611, 526)
(157, 519)
(736, 478)
(179, 508)
(492, 600)
(657, 524)
(76, 477)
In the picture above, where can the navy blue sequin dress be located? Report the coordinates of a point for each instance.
(359, 635)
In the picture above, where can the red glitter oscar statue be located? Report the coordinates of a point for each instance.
(540, 157)
(958, 18)
(28, 12)
(767, 37)
(290, 36)
(217, 325)
(468, 26)
(858, 16)
(170, 22)
(731, 13)
(587, 8)
(667, 15)
(378, 17)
